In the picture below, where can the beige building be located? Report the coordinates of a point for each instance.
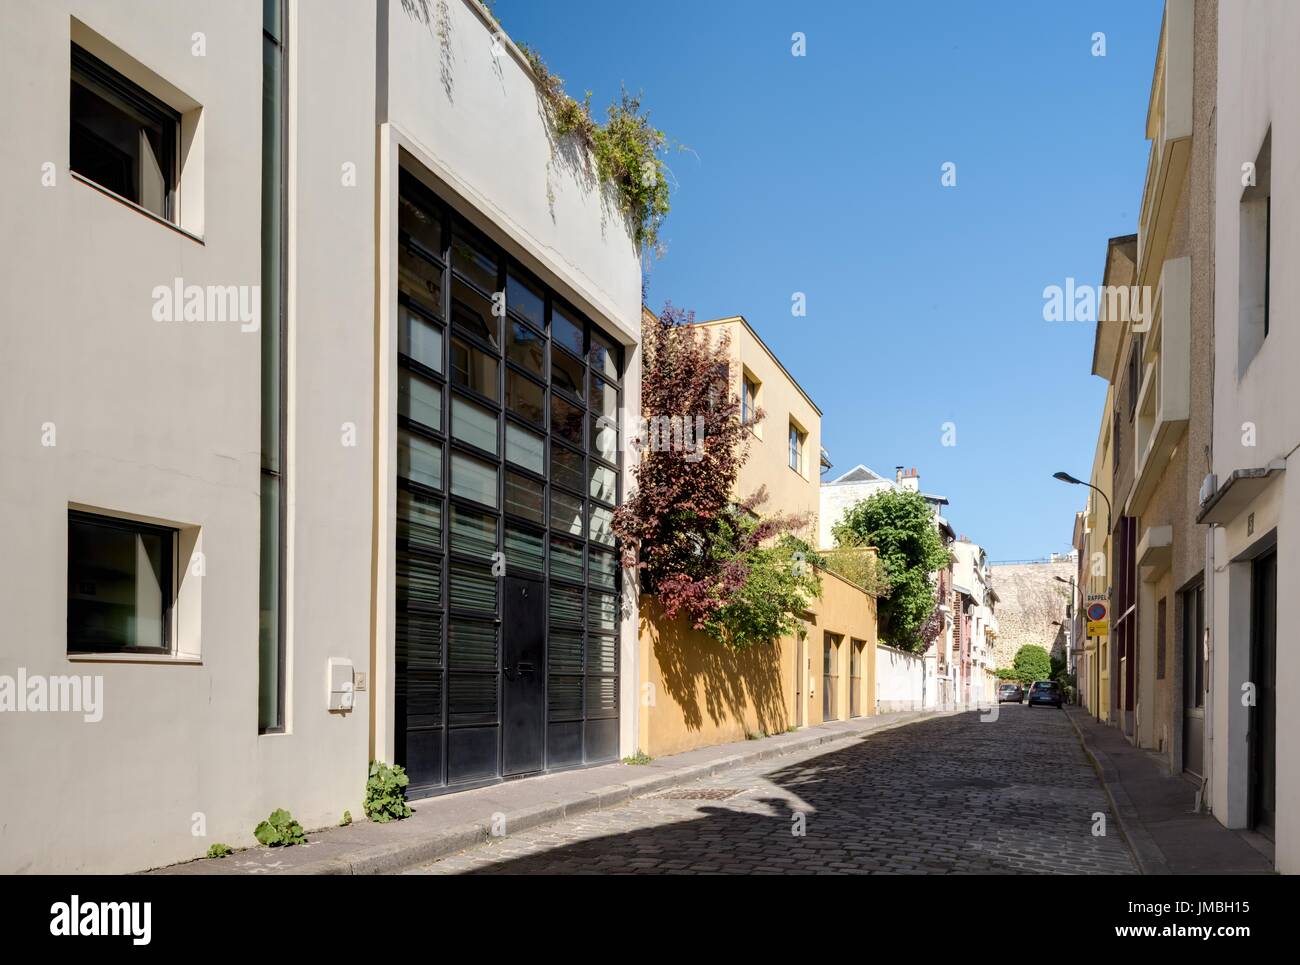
(699, 692)
(263, 459)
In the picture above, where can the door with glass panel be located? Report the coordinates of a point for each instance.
(830, 676)
(507, 463)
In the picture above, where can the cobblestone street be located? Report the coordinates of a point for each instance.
(947, 795)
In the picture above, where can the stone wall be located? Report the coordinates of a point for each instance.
(1029, 599)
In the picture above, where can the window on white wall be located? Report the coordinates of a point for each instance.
(121, 137)
(120, 585)
(1254, 255)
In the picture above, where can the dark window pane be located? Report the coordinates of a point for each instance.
(420, 279)
(603, 399)
(602, 695)
(603, 567)
(473, 533)
(605, 355)
(473, 424)
(473, 479)
(474, 369)
(565, 651)
(602, 525)
(604, 438)
(422, 224)
(523, 497)
(526, 348)
(473, 257)
(602, 654)
(472, 699)
(566, 331)
(419, 398)
(119, 587)
(564, 698)
(419, 643)
(567, 374)
(602, 614)
(566, 559)
(472, 645)
(566, 468)
(419, 459)
(525, 448)
(566, 605)
(419, 338)
(566, 420)
(471, 587)
(472, 312)
(524, 398)
(566, 513)
(419, 519)
(524, 549)
(525, 298)
(603, 484)
(419, 582)
(122, 139)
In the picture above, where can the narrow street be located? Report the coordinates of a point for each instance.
(950, 795)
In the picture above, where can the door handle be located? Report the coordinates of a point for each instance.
(520, 669)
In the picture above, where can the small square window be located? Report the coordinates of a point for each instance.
(121, 578)
(121, 137)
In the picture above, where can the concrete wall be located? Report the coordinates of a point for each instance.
(697, 692)
(160, 421)
(781, 399)
(1257, 81)
(900, 681)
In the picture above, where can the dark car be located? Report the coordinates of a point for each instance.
(1011, 692)
(1045, 692)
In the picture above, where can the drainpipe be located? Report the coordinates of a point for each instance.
(1207, 643)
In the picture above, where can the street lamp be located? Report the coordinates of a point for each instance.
(1065, 477)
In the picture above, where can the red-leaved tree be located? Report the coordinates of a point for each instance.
(675, 527)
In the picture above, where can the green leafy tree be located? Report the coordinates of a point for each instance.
(776, 580)
(1031, 663)
(900, 524)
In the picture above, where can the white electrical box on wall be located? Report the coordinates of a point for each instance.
(338, 679)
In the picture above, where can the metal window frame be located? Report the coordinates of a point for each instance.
(168, 535)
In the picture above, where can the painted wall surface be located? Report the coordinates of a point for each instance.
(160, 421)
(837, 497)
(1256, 84)
(782, 400)
(900, 681)
(696, 692)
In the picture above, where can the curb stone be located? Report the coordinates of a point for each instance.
(1146, 853)
(389, 858)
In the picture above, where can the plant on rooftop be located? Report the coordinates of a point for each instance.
(627, 149)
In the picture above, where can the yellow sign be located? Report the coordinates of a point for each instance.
(1098, 628)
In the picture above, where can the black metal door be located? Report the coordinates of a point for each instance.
(1193, 681)
(523, 663)
(1263, 718)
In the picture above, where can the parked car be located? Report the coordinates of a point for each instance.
(1013, 692)
(1045, 692)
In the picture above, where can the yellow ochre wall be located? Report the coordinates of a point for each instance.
(697, 692)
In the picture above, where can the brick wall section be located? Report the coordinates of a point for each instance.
(1029, 599)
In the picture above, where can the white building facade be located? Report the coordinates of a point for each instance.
(1252, 502)
(282, 492)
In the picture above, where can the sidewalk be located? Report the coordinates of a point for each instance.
(1154, 810)
(453, 822)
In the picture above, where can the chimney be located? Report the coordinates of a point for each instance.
(909, 479)
(898, 474)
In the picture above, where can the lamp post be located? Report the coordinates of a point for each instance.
(1065, 477)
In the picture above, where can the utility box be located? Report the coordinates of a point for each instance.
(339, 681)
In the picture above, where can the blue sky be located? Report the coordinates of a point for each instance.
(821, 174)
